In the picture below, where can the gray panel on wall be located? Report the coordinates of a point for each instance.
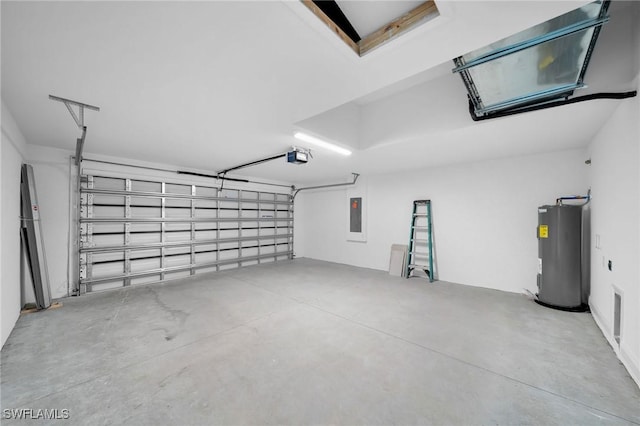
(355, 214)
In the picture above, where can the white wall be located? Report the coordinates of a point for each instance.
(615, 178)
(12, 154)
(484, 213)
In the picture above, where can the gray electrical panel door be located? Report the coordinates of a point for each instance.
(559, 255)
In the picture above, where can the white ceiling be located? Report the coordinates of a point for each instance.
(209, 85)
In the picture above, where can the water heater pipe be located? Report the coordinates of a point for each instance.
(575, 197)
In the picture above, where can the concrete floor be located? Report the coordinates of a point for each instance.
(309, 342)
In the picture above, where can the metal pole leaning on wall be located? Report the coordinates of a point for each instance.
(34, 241)
(332, 185)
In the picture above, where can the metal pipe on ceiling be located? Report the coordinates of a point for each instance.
(552, 104)
(332, 185)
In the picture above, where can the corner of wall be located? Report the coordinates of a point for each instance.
(11, 133)
(298, 224)
(630, 361)
(615, 231)
(12, 154)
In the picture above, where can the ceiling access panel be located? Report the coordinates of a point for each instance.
(544, 63)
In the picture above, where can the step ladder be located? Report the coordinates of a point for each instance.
(421, 240)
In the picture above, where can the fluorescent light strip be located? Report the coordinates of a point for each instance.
(318, 142)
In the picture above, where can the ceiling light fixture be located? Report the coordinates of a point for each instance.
(319, 142)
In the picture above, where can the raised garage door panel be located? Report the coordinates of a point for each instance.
(138, 231)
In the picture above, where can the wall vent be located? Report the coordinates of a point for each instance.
(617, 308)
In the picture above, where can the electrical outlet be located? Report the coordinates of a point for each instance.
(597, 241)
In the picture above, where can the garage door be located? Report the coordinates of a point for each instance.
(136, 231)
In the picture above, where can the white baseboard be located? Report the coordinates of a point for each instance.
(631, 363)
(601, 324)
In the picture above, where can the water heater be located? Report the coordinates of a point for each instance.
(560, 257)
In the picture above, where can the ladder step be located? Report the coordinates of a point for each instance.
(415, 265)
(420, 227)
(420, 215)
(420, 240)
